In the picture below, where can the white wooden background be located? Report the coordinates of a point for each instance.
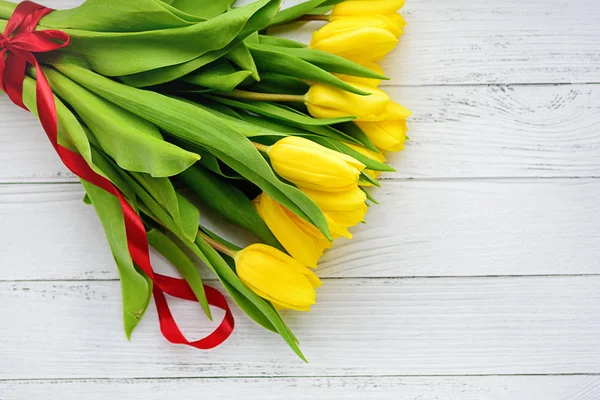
(477, 278)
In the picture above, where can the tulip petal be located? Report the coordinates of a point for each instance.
(367, 7)
(385, 135)
(323, 97)
(303, 241)
(348, 218)
(360, 45)
(308, 164)
(339, 201)
(275, 275)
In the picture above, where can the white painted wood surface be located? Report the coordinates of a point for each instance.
(311, 388)
(476, 278)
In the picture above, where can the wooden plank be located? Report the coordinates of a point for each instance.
(521, 131)
(363, 388)
(421, 228)
(456, 326)
(485, 41)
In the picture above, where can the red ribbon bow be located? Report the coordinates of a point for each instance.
(18, 45)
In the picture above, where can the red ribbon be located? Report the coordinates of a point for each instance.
(18, 45)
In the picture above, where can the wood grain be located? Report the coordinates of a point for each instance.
(359, 327)
(486, 41)
(363, 388)
(503, 96)
(456, 132)
(429, 228)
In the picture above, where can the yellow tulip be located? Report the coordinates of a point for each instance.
(366, 7)
(310, 165)
(373, 156)
(343, 25)
(325, 101)
(277, 277)
(336, 229)
(302, 240)
(386, 135)
(394, 110)
(339, 201)
(364, 81)
(348, 218)
(360, 44)
(346, 208)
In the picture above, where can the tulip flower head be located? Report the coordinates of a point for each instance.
(372, 155)
(277, 277)
(346, 208)
(325, 101)
(302, 240)
(360, 39)
(352, 8)
(310, 165)
(388, 134)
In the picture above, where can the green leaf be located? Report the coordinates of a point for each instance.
(272, 82)
(119, 16)
(278, 111)
(369, 197)
(279, 42)
(367, 179)
(134, 143)
(228, 202)
(219, 75)
(240, 56)
(292, 13)
(170, 73)
(163, 192)
(281, 61)
(136, 292)
(206, 9)
(165, 246)
(189, 214)
(327, 61)
(70, 132)
(114, 53)
(195, 125)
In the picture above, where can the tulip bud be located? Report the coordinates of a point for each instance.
(302, 240)
(325, 101)
(336, 229)
(372, 155)
(360, 44)
(344, 24)
(277, 277)
(346, 208)
(310, 165)
(348, 218)
(366, 7)
(385, 135)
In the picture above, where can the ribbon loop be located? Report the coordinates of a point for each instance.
(17, 47)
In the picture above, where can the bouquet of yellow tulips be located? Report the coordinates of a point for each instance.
(161, 105)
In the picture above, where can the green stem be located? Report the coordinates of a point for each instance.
(217, 245)
(309, 17)
(242, 94)
(262, 148)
